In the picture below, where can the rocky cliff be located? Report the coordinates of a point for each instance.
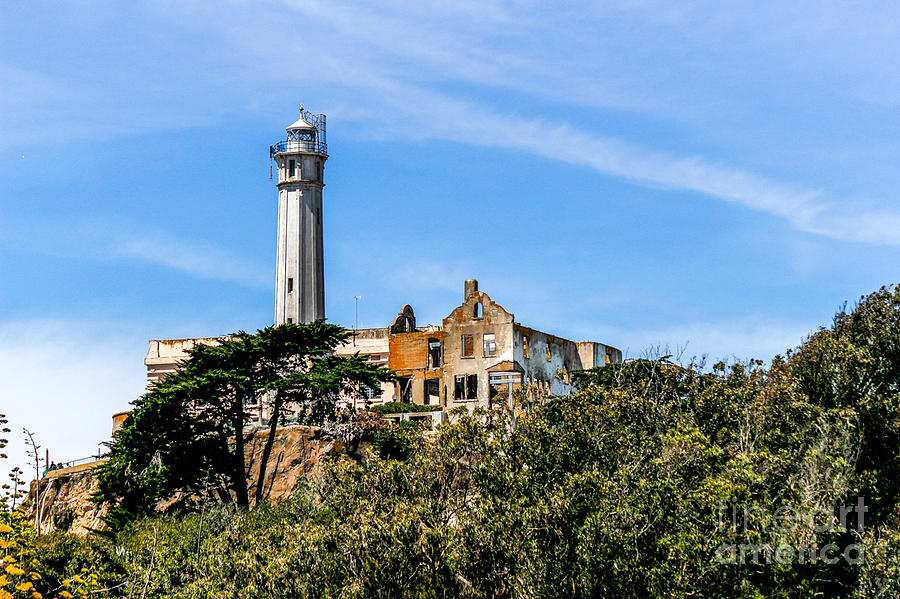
(64, 496)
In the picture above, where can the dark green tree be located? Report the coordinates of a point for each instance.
(189, 434)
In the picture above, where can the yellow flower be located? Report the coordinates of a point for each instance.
(36, 595)
(5, 595)
(7, 544)
(5, 528)
(66, 595)
(3, 580)
(35, 576)
(24, 587)
(14, 570)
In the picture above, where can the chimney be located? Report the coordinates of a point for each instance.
(471, 287)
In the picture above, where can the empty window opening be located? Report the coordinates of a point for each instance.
(472, 386)
(548, 352)
(468, 346)
(432, 392)
(292, 168)
(476, 311)
(525, 346)
(290, 285)
(405, 383)
(490, 345)
(459, 387)
(434, 353)
(493, 391)
(608, 360)
(319, 170)
(290, 321)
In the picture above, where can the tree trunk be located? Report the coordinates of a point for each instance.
(239, 471)
(267, 450)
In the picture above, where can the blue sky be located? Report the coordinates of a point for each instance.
(707, 176)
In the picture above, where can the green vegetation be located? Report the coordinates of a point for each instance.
(24, 565)
(397, 407)
(634, 487)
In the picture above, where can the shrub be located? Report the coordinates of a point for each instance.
(397, 407)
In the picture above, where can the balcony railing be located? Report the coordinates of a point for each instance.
(298, 145)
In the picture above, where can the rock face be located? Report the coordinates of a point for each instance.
(297, 454)
(65, 503)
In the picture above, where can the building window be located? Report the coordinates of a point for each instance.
(548, 351)
(368, 393)
(290, 321)
(607, 359)
(290, 285)
(490, 345)
(432, 392)
(434, 353)
(525, 346)
(476, 311)
(292, 168)
(459, 388)
(319, 169)
(472, 386)
(468, 346)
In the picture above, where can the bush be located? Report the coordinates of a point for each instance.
(397, 407)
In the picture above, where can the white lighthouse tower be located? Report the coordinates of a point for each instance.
(300, 276)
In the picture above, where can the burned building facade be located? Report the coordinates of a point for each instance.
(476, 357)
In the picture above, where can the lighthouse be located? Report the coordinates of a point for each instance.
(300, 270)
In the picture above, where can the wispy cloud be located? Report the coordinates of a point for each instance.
(457, 42)
(420, 113)
(406, 107)
(496, 74)
(119, 241)
(200, 260)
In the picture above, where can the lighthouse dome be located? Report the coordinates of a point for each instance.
(301, 125)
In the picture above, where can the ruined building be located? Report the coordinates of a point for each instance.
(478, 355)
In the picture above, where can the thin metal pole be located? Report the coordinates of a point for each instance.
(356, 299)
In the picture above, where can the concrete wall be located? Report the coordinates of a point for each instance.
(164, 355)
(373, 343)
(410, 360)
(546, 371)
(465, 320)
(593, 354)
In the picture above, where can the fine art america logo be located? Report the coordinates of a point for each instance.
(794, 534)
